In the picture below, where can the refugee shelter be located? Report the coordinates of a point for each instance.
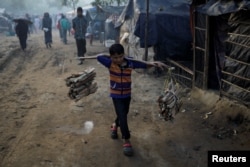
(112, 33)
(221, 47)
(168, 28)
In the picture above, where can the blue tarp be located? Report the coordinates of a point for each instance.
(219, 7)
(168, 28)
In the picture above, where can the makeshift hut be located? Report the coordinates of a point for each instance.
(112, 33)
(168, 28)
(221, 33)
(98, 17)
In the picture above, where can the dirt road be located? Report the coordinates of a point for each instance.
(40, 126)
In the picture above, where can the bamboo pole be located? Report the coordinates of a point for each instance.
(241, 35)
(237, 61)
(237, 76)
(206, 59)
(184, 77)
(199, 48)
(194, 55)
(181, 66)
(146, 31)
(200, 72)
(242, 22)
(198, 28)
(246, 46)
(229, 83)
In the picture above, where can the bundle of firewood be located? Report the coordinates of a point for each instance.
(169, 101)
(81, 84)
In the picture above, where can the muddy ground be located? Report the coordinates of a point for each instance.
(41, 127)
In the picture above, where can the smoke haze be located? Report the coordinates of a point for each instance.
(18, 7)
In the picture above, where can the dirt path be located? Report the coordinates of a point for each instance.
(41, 126)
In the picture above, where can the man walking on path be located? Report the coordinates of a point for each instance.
(80, 26)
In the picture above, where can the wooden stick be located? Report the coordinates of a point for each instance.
(237, 61)
(246, 46)
(243, 89)
(240, 35)
(93, 57)
(181, 66)
(237, 76)
(89, 57)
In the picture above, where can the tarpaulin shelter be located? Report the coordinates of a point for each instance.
(112, 33)
(168, 28)
(221, 30)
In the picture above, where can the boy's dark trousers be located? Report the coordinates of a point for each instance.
(122, 108)
(81, 47)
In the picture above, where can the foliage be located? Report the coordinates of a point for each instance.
(70, 3)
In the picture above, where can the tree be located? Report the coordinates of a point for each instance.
(70, 3)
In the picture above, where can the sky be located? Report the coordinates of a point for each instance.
(84, 2)
(19, 7)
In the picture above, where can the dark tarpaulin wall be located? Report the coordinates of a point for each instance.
(169, 31)
(169, 26)
(110, 31)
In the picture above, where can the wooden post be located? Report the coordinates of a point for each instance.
(194, 49)
(206, 58)
(146, 31)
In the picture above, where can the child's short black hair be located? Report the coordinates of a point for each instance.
(116, 49)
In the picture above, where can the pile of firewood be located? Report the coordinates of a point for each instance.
(81, 84)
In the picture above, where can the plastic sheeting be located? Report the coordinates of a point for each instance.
(238, 49)
(168, 27)
(219, 7)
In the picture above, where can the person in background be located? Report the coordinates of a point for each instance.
(22, 30)
(58, 25)
(27, 16)
(64, 22)
(47, 28)
(79, 29)
(37, 24)
(89, 33)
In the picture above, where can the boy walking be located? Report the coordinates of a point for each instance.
(120, 70)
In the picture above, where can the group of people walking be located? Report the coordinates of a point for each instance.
(79, 28)
(23, 29)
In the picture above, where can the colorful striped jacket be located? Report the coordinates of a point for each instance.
(120, 77)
